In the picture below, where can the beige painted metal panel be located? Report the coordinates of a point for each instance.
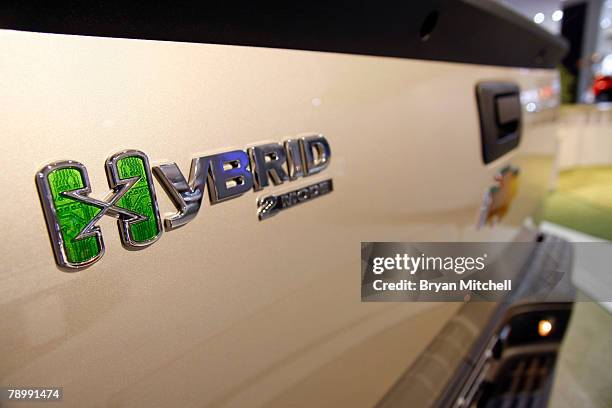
(230, 311)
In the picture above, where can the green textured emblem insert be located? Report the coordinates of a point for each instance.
(73, 216)
(139, 199)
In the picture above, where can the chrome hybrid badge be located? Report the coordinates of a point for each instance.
(71, 214)
(231, 174)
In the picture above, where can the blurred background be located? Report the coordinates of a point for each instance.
(580, 191)
(579, 201)
(586, 70)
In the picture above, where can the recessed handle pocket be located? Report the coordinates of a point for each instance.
(499, 107)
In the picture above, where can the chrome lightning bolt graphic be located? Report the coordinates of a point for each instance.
(106, 206)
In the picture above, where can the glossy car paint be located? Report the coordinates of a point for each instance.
(228, 310)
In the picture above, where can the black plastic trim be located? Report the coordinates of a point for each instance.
(499, 108)
(468, 31)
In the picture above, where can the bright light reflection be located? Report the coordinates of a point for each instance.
(539, 18)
